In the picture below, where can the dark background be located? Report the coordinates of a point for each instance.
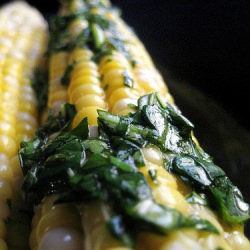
(204, 43)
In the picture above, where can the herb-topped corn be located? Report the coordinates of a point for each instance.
(115, 166)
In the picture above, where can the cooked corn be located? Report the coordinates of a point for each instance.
(22, 42)
(97, 68)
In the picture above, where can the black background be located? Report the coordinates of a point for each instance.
(204, 43)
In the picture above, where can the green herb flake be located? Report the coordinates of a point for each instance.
(153, 175)
(133, 63)
(105, 87)
(116, 227)
(100, 78)
(100, 54)
(98, 35)
(108, 60)
(65, 80)
(207, 177)
(40, 86)
(195, 198)
(128, 80)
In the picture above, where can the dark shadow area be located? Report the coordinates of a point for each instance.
(204, 43)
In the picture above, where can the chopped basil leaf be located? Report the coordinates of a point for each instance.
(128, 80)
(153, 175)
(105, 87)
(163, 219)
(106, 179)
(101, 35)
(98, 35)
(32, 154)
(209, 178)
(66, 76)
(133, 63)
(161, 124)
(195, 198)
(57, 122)
(40, 86)
(117, 228)
(98, 169)
(106, 168)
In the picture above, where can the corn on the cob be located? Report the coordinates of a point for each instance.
(22, 42)
(101, 65)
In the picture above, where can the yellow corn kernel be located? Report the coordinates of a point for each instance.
(121, 93)
(77, 26)
(147, 80)
(89, 112)
(6, 117)
(96, 234)
(7, 129)
(114, 69)
(61, 238)
(114, 61)
(84, 68)
(48, 222)
(182, 239)
(206, 214)
(6, 172)
(114, 75)
(28, 108)
(4, 210)
(102, 239)
(57, 66)
(5, 190)
(53, 219)
(58, 95)
(7, 145)
(152, 155)
(213, 241)
(237, 240)
(170, 197)
(80, 54)
(162, 176)
(82, 80)
(86, 89)
(182, 187)
(90, 100)
(27, 118)
(45, 207)
(121, 105)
